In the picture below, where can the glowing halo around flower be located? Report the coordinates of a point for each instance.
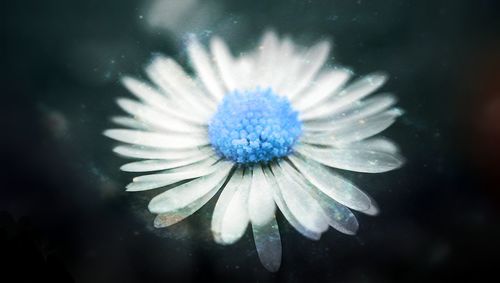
(267, 128)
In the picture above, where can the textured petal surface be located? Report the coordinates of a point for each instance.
(204, 68)
(325, 86)
(156, 99)
(285, 65)
(373, 210)
(153, 181)
(268, 54)
(145, 138)
(300, 202)
(223, 201)
(280, 202)
(146, 93)
(145, 186)
(358, 111)
(171, 217)
(141, 152)
(129, 123)
(244, 69)
(230, 217)
(225, 63)
(376, 144)
(180, 86)
(366, 108)
(337, 215)
(261, 206)
(353, 131)
(332, 184)
(156, 165)
(185, 194)
(312, 61)
(268, 244)
(236, 218)
(359, 160)
(157, 119)
(352, 93)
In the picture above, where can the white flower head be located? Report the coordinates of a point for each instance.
(269, 128)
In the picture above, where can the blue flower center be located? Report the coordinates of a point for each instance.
(254, 126)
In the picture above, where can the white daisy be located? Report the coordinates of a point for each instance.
(267, 128)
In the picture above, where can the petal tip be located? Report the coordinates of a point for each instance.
(108, 133)
(272, 267)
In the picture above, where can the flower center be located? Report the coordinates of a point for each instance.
(254, 126)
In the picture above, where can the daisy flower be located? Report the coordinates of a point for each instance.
(271, 129)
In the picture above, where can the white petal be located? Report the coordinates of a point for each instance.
(332, 184)
(156, 165)
(367, 161)
(171, 77)
(353, 131)
(337, 215)
(225, 62)
(157, 119)
(141, 152)
(346, 97)
(261, 206)
(268, 53)
(225, 197)
(326, 85)
(373, 210)
(300, 202)
(268, 244)
(236, 217)
(366, 108)
(172, 217)
(280, 202)
(360, 110)
(164, 179)
(230, 217)
(187, 193)
(375, 144)
(285, 64)
(204, 69)
(313, 60)
(169, 218)
(153, 181)
(156, 139)
(144, 186)
(245, 69)
(129, 122)
(157, 100)
(179, 108)
(146, 93)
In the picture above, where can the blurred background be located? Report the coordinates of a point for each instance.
(64, 215)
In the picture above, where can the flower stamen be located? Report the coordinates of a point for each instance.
(254, 127)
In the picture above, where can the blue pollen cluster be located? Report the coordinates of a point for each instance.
(254, 126)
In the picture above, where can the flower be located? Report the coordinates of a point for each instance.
(266, 128)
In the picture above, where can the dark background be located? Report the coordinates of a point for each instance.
(64, 213)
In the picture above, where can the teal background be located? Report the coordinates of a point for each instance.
(65, 215)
